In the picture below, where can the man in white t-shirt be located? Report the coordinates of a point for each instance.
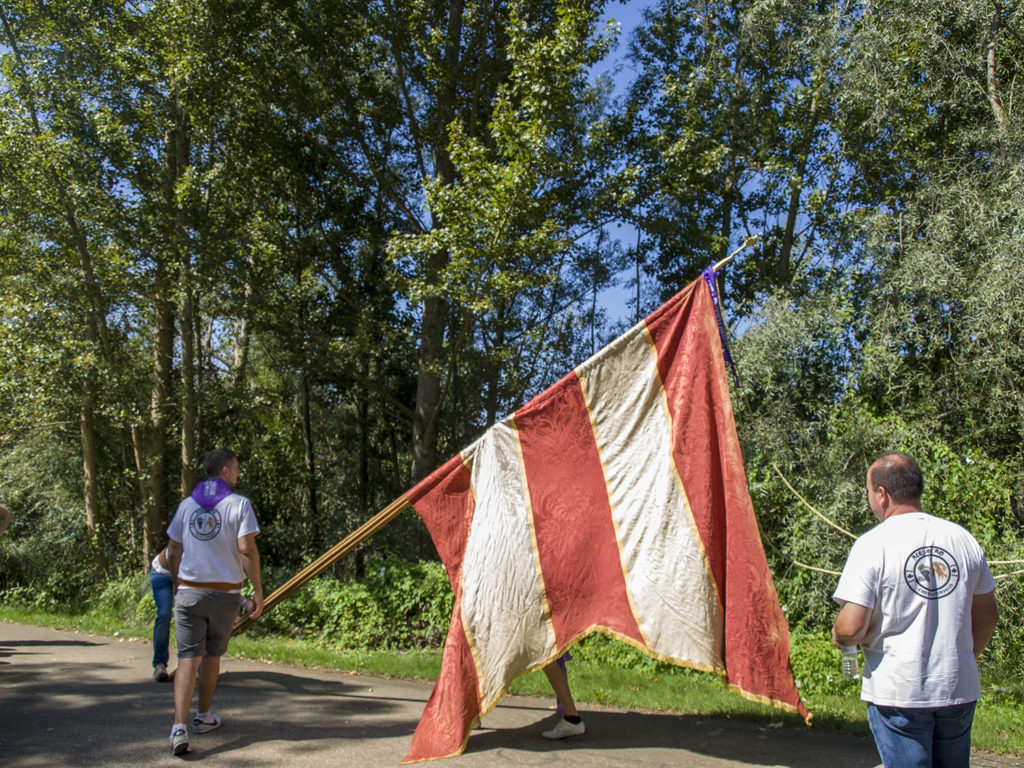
(917, 595)
(212, 549)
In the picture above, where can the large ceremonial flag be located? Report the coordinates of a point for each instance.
(614, 501)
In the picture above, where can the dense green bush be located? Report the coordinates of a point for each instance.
(397, 605)
(605, 650)
(45, 548)
(128, 600)
(816, 665)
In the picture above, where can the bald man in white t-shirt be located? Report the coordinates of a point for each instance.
(917, 595)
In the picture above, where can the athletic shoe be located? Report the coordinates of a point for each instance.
(208, 723)
(565, 729)
(160, 673)
(179, 741)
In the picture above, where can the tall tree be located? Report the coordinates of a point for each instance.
(733, 112)
(49, 105)
(908, 346)
(499, 103)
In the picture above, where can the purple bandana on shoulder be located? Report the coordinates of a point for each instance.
(209, 493)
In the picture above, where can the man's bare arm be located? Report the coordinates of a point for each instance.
(174, 551)
(851, 624)
(984, 617)
(251, 565)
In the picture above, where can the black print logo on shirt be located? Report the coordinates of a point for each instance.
(931, 572)
(204, 523)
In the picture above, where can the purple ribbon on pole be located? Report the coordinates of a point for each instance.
(710, 276)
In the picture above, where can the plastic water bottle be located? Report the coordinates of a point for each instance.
(849, 664)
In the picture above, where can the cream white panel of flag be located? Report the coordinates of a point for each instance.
(667, 578)
(502, 597)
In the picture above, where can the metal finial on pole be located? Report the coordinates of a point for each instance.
(748, 242)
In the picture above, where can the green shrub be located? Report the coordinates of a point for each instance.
(128, 600)
(816, 665)
(607, 651)
(57, 592)
(400, 605)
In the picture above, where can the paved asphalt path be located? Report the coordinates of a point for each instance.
(71, 699)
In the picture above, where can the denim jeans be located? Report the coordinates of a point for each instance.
(163, 596)
(927, 737)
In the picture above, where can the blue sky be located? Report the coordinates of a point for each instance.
(628, 15)
(617, 300)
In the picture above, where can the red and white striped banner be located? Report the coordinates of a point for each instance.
(614, 501)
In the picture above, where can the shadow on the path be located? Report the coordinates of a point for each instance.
(83, 717)
(743, 741)
(46, 643)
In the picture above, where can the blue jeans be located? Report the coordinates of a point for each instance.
(163, 596)
(927, 737)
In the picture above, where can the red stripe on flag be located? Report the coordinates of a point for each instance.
(454, 704)
(576, 542)
(686, 364)
(707, 454)
(445, 502)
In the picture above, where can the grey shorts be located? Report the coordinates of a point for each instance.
(202, 621)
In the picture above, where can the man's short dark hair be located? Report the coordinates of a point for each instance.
(216, 460)
(899, 474)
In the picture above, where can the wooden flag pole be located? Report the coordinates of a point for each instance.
(329, 558)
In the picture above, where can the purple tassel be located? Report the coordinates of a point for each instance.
(709, 276)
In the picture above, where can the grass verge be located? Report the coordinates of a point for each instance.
(997, 723)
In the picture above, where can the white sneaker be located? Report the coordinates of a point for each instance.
(208, 723)
(179, 741)
(565, 729)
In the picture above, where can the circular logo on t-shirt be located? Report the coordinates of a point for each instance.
(204, 523)
(931, 572)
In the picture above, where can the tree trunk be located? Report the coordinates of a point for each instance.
(189, 409)
(428, 359)
(142, 477)
(240, 362)
(494, 366)
(990, 69)
(363, 459)
(156, 445)
(728, 198)
(309, 453)
(363, 467)
(89, 478)
(182, 148)
(786, 252)
(199, 377)
(175, 151)
(428, 387)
